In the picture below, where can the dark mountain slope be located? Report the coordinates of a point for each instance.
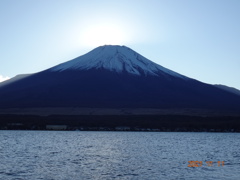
(114, 77)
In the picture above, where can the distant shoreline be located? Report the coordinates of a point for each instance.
(76, 111)
(153, 123)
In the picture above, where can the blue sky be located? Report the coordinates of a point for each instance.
(197, 38)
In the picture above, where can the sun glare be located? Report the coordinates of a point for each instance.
(104, 34)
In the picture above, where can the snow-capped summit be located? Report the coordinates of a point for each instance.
(115, 58)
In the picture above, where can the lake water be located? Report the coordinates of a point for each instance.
(68, 155)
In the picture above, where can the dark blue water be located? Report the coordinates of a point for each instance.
(59, 155)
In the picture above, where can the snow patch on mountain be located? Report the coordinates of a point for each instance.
(3, 78)
(14, 79)
(115, 58)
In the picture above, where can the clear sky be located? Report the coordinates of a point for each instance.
(197, 38)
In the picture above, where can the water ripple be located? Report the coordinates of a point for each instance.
(53, 155)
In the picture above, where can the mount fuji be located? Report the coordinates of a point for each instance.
(114, 77)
